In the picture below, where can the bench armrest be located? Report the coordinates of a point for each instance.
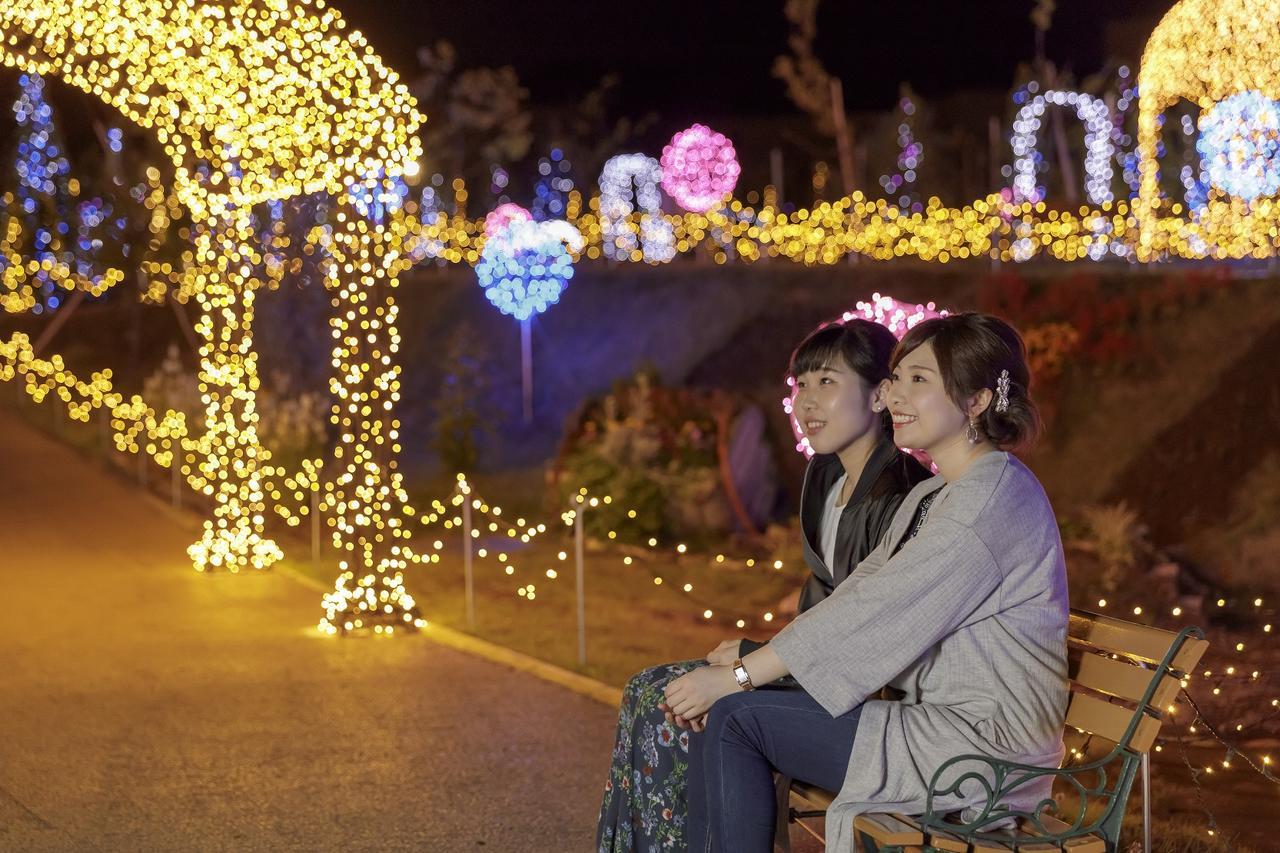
(999, 779)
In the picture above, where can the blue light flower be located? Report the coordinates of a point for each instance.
(525, 267)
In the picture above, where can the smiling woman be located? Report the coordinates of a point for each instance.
(961, 609)
(852, 488)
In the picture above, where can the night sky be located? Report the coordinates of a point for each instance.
(712, 56)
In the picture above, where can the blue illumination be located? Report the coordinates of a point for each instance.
(375, 197)
(524, 268)
(1238, 145)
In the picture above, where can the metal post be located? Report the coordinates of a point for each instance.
(466, 561)
(526, 364)
(1146, 803)
(315, 524)
(142, 467)
(578, 538)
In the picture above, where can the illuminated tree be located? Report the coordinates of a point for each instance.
(43, 192)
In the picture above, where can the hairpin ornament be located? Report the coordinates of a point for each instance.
(1002, 392)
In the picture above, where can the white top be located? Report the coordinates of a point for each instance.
(830, 524)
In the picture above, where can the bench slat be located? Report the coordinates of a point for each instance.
(1110, 721)
(1080, 844)
(1127, 638)
(819, 798)
(1120, 678)
(982, 845)
(889, 829)
(943, 840)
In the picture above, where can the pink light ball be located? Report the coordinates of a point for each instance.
(699, 168)
(503, 215)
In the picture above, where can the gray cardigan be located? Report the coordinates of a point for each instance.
(969, 620)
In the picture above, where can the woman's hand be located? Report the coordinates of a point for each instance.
(692, 694)
(724, 654)
(697, 724)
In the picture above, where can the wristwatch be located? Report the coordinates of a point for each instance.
(741, 675)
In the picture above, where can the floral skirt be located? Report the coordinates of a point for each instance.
(645, 796)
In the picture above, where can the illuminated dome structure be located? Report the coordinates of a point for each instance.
(255, 100)
(1224, 56)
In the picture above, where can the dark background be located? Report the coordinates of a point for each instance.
(689, 57)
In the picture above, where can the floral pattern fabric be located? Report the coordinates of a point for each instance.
(646, 794)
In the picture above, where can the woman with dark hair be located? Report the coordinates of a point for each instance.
(962, 607)
(852, 488)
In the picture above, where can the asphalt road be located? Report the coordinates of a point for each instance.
(146, 707)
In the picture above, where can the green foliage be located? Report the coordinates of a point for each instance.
(652, 450)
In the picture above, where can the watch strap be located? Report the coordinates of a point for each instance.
(741, 675)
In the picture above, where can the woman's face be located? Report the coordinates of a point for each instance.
(834, 407)
(924, 417)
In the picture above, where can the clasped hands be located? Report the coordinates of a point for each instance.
(691, 696)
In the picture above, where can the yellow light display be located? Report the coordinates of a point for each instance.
(1205, 51)
(252, 100)
(265, 99)
(18, 290)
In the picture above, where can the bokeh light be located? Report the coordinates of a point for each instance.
(699, 168)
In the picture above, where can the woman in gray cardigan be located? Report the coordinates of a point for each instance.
(962, 607)
(852, 488)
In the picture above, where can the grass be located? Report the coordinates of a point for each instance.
(631, 622)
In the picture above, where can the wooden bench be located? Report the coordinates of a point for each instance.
(1123, 678)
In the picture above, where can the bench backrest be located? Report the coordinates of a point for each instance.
(1124, 676)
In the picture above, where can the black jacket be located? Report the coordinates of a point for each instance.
(887, 477)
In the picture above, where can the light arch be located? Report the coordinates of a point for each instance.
(1203, 51)
(256, 100)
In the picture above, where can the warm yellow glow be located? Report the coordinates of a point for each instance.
(1205, 51)
(18, 293)
(252, 100)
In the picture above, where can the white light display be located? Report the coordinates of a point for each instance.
(1239, 141)
(623, 178)
(1097, 139)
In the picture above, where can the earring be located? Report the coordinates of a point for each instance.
(875, 407)
(972, 431)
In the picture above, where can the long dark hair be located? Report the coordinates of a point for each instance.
(972, 351)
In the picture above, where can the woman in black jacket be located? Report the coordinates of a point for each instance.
(852, 487)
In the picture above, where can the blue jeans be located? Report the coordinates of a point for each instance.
(731, 764)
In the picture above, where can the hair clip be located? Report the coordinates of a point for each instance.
(1002, 392)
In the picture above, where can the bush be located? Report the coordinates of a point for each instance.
(653, 451)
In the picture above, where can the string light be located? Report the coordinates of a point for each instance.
(617, 232)
(699, 168)
(1208, 52)
(504, 215)
(1239, 142)
(272, 100)
(525, 266)
(1095, 115)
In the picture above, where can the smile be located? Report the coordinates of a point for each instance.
(900, 421)
(812, 427)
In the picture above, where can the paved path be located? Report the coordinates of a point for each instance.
(146, 707)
